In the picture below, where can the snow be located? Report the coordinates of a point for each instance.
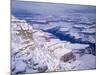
(28, 70)
(40, 48)
(20, 66)
(40, 53)
(87, 62)
(76, 46)
(36, 50)
(39, 21)
(60, 52)
(92, 30)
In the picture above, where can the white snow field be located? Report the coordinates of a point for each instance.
(34, 50)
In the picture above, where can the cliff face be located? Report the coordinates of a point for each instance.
(35, 51)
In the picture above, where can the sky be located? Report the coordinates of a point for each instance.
(42, 8)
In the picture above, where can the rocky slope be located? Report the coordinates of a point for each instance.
(35, 51)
